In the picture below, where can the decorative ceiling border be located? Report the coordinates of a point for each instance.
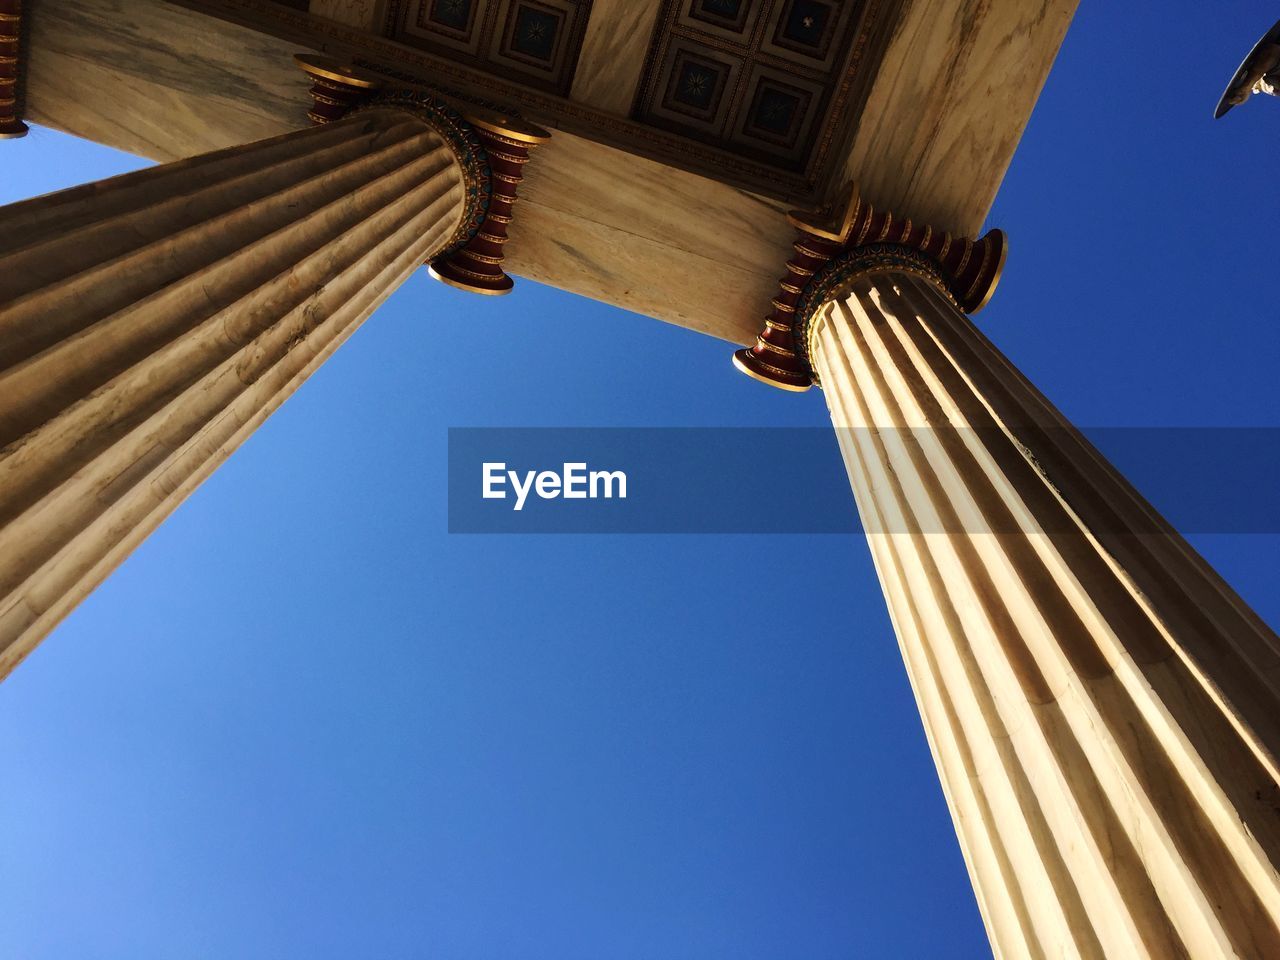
(418, 68)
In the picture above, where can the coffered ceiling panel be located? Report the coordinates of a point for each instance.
(534, 41)
(757, 77)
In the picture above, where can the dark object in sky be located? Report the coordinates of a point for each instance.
(1260, 73)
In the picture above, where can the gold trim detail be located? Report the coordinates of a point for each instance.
(509, 157)
(318, 65)
(521, 131)
(755, 375)
(472, 274)
(866, 226)
(995, 277)
(873, 261)
(764, 344)
(459, 285)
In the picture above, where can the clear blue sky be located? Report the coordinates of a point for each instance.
(305, 721)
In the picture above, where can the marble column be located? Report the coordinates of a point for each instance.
(150, 322)
(1103, 710)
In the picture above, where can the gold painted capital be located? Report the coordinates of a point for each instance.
(832, 222)
(504, 126)
(318, 66)
(848, 239)
(490, 144)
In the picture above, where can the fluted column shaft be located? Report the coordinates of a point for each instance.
(1103, 710)
(150, 322)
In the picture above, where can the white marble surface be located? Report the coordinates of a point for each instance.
(613, 51)
(949, 104)
(364, 14)
(157, 80)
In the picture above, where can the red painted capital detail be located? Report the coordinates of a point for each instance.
(477, 266)
(831, 248)
(475, 263)
(11, 125)
(335, 87)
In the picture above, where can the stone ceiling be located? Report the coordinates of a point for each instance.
(756, 78)
(603, 215)
(528, 41)
(762, 94)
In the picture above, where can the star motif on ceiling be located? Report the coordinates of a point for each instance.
(536, 31)
(696, 83)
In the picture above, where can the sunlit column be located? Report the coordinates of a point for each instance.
(1102, 708)
(150, 322)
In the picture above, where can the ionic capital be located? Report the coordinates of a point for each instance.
(848, 240)
(492, 149)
